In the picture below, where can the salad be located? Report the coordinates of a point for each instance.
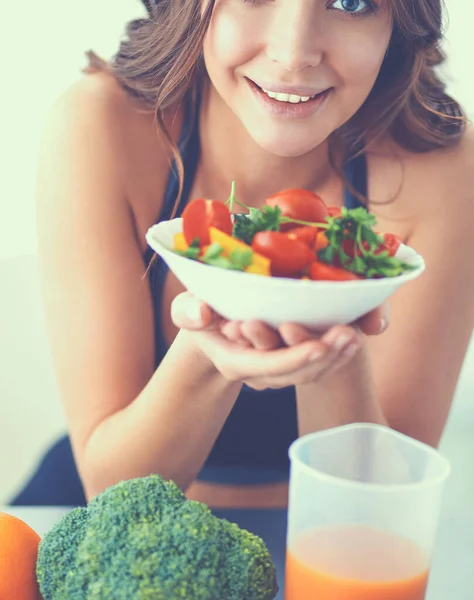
(294, 235)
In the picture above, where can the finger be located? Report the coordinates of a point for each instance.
(240, 363)
(346, 356)
(310, 372)
(336, 360)
(232, 331)
(339, 342)
(375, 322)
(330, 361)
(187, 312)
(339, 338)
(260, 335)
(293, 334)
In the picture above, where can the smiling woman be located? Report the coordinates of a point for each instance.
(340, 98)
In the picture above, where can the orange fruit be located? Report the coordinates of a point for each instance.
(18, 555)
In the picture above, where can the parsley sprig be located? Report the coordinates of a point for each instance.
(246, 226)
(367, 259)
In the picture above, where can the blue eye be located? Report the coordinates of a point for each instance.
(354, 7)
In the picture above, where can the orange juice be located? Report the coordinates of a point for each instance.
(355, 563)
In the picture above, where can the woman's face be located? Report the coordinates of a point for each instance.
(294, 71)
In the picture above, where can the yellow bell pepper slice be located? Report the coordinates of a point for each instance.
(180, 242)
(229, 244)
(258, 270)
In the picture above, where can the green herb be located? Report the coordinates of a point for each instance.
(356, 227)
(247, 226)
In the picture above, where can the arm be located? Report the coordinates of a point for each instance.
(345, 395)
(410, 379)
(125, 420)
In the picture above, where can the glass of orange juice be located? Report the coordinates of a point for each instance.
(363, 513)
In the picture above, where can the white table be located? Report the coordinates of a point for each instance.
(452, 575)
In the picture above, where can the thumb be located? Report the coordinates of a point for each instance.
(188, 312)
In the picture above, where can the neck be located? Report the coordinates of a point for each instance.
(230, 154)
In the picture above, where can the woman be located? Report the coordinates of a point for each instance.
(340, 97)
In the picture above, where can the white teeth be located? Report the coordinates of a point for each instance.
(292, 98)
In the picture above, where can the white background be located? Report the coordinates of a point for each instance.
(42, 46)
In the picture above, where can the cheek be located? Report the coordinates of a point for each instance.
(230, 40)
(358, 60)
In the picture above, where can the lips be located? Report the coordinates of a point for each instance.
(289, 102)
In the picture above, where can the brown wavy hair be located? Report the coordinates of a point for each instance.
(160, 61)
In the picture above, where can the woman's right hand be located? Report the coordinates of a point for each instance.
(261, 357)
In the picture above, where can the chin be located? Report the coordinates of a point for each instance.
(289, 145)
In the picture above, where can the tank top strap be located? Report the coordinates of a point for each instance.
(356, 175)
(189, 148)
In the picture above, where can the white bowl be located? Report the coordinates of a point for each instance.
(243, 296)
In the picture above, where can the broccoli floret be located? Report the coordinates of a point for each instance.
(143, 540)
(144, 498)
(167, 558)
(61, 546)
(249, 570)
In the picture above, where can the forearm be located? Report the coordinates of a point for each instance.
(345, 396)
(169, 429)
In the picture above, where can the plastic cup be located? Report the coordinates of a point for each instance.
(363, 513)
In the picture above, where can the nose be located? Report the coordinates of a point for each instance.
(294, 39)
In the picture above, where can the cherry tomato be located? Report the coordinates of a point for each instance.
(288, 256)
(302, 205)
(391, 243)
(307, 235)
(201, 214)
(334, 211)
(319, 271)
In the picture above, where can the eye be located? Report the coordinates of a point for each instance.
(354, 7)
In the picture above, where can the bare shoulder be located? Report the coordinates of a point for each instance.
(95, 100)
(96, 113)
(412, 188)
(99, 87)
(448, 171)
(102, 120)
